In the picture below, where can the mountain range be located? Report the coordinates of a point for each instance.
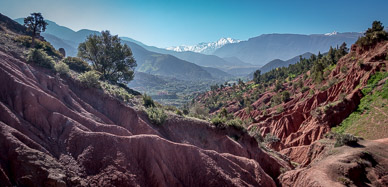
(204, 47)
(264, 48)
(149, 61)
(231, 57)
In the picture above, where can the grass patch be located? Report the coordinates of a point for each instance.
(116, 91)
(369, 119)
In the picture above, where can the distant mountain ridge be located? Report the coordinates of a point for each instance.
(267, 47)
(196, 58)
(204, 47)
(281, 63)
(148, 61)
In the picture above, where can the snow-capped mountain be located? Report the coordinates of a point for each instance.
(331, 34)
(204, 47)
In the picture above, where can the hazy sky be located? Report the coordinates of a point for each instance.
(165, 23)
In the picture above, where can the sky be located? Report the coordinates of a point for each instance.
(165, 23)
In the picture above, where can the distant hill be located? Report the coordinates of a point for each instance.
(166, 65)
(267, 47)
(64, 32)
(64, 37)
(142, 79)
(280, 63)
(69, 46)
(196, 58)
(12, 25)
(218, 74)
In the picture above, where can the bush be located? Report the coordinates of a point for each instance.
(77, 64)
(147, 101)
(45, 46)
(39, 57)
(116, 91)
(276, 100)
(304, 89)
(285, 96)
(90, 79)
(156, 115)
(61, 68)
(344, 69)
(236, 123)
(345, 139)
(199, 112)
(218, 121)
(178, 112)
(373, 35)
(269, 138)
(342, 139)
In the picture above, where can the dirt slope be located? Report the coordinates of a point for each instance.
(54, 132)
(364, 165)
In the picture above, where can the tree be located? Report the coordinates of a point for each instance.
(285, 96)
(376, 26)
(108, 56)
(373, 35)
(256, 76)
(35, 24)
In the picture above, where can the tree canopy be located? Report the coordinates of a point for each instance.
(108, 56)
(373, 35)
(35, 24)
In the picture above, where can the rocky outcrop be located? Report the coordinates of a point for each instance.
(54, 132)
(307, 117)
(362, 166)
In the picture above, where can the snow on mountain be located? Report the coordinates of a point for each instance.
(331, 34)
(204, 47)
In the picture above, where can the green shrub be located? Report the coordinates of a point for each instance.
(199, 112)
(236, 123)
(254, 132)
(77, 64)
(373, 35)
(324, 87)
(178, 112)
(45, 46)
(280, 109)
(116, 91)
(270, 138)
(344, 69)
(90, 79)
(39, 57)
(61, 68)
(345, 139)
(218, 121)
(156, 115)
(304, 89)
(373, 81)
(147, 101)
(342, 139)
(285, 96)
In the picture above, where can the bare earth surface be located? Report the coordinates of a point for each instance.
(53, 132)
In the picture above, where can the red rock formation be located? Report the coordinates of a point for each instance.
(365, 165)
(306, 118)
(53, 132)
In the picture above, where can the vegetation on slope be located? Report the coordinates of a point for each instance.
(244, 94)
(370, 120)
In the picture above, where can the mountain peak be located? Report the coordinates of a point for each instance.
(204, 47)
(331, 33)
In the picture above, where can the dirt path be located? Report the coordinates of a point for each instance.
(381, 111)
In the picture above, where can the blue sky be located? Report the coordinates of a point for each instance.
(165, 23)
